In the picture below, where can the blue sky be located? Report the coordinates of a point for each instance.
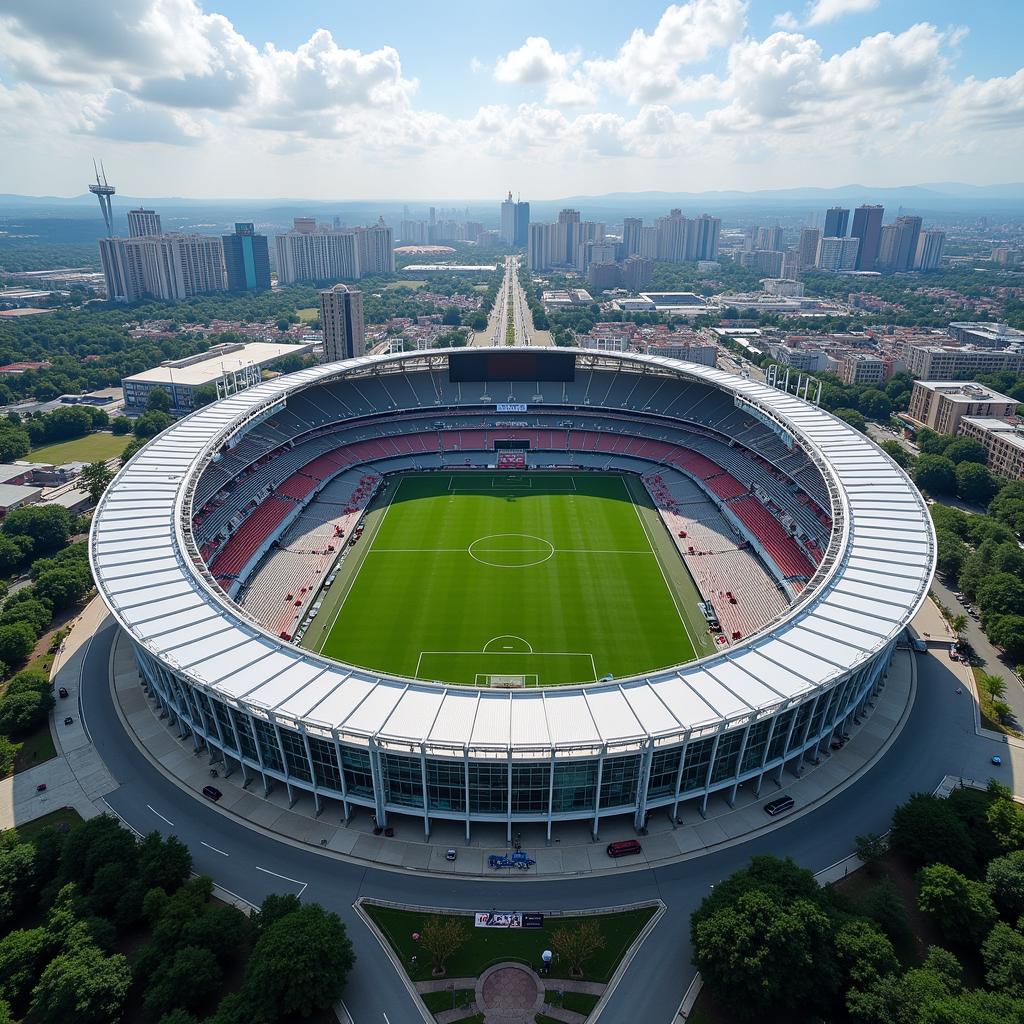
(461, 100)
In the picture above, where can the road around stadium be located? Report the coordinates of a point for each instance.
(939, 739)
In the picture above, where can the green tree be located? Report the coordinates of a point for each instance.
(166, 863)
(932, 443)
(975, 483)
(64, 586)
(47, 526)
(443, 936)
(761, 957)
(1001, 594)
(864, 953)
(22, 955)
(149, 424)
(897, 453)
(451, 317)
(81, 985)
(30, 609)
(1003, 953)
(130, 449)
(204, 396)
(854, 418)
(120, 426)
(158, 400)
(935, 474)
(1006, 820)
(22, 712)
(96, 476)
(1006, 631)
(17, 880)
(884, 905)
(926, 830)
(16, 641)
(14, 442)
(965, 449)
(186, 979)
(299, 965)
(273, 908)
(871, 849)
(896, 999)
(961, 907)
(875, 404)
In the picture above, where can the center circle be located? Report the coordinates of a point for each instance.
(511, 550)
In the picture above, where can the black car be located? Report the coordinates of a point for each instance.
(783, 803)
(212, 792)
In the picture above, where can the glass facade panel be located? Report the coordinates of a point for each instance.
(803, 714)
(778, 744)
(245, 737)
(695, 767)
(227, 734)
(267, 740)
(575, 786)
(664, 770)
(446, 785)
(488, 787)
(325, 764)
(530, 785)
(727, 756)
(618, 780)
(358, 774)
(403, 780)
(756, 743)
(295, 755)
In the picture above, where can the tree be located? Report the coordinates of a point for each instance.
(299, 965)
(204, 396)
(1001, 593)
(149, 424)
(885, 907)
(22, 955)
(760, 956)
(896, 999)
(96, 476)
(935, 474)
(864, 953)
(273, 908)
(16, 641)
(130, 449)
(22, 712)
(81, 985)
(951, 553)
(993, 685)
(875, 404)
(897, 453)
(1006, 631)
(1003, 953)
(959, 624)
(1005, 878)
(31, 610)
(854, 418)
(17, 881)
(965, 449)
(186, 980)
(47, 526)
(961, 907)
(577, 943)
(14, 442)
(975, 483)
(120, 426)
(932, 443)
(871, 849)
(442, 937)
(158, 400)
(451, 317)
(926, 830)
(1006, 820)
(166, 863)
(64, 586)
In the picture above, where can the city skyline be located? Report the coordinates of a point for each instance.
(705, 94)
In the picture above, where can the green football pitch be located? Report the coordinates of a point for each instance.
(511, 579)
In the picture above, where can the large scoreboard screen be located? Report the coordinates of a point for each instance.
(516, 364)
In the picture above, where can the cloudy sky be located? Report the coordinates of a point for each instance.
(469, 98)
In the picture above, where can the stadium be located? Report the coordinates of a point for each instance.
(496, 585)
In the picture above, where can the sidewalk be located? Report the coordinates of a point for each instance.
(572, 850)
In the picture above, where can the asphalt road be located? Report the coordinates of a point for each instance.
(938, 740)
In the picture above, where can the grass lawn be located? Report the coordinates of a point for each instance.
(63, 816)
(487, 946)
(546, 578)
(436, 1002)
(91, 448)
(986, 708)
(308, 315)
(393, 286)
(578, 1002)
(35, 748)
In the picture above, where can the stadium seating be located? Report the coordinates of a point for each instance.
(780, 547)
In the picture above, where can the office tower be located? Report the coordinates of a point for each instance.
(631, 235)
(306, 225)
(376, 249)
(929, 250)
(103, 190)
(246, 259)
(909, 232)
(649, 236)
(143, 222)
(567, 237)
(836, 220)
(808, 250)
(637, 272)
(341, 315)
(708, 229)
(538, 246)
(522, 224)
(835, 254)
(122, 270)
(508, 220)
(317, 256)
(769, 239)
(888, 245)
(867, 226)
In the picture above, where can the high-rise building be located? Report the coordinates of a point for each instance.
(341, 315)
(835, 254)
(304, 224)
(522, 224)
(909, 232)
(929, 250)
(631, 235)
(888, 245)
(317, 256)
(143, 222)
(769, 239)
(836, 220)
(707, 230)
(648, 246)
(246, 259)
(867, 227)
(808, 255)
(122, 270)
(567, 237)
(508, 220)
(637, 272)
(672, 236)
(168, 267)
(376, 249)
(538, 247)
(594, 252)
(764, 261)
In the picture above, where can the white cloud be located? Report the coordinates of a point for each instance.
(647, 66)
(576, 91)
(476, 65)
(828, 10)
(534, 63)
(122, 118)
(787, 21)
(992, 103)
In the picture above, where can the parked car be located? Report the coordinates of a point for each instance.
(68, 720)
(62, 692)
(623, 848)
(997, 760)
(212, 793)
(451, 853)
(777, 806)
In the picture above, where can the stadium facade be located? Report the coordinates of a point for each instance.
(352, 738)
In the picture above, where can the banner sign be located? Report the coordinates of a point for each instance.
(508, 919)
(511, 407)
